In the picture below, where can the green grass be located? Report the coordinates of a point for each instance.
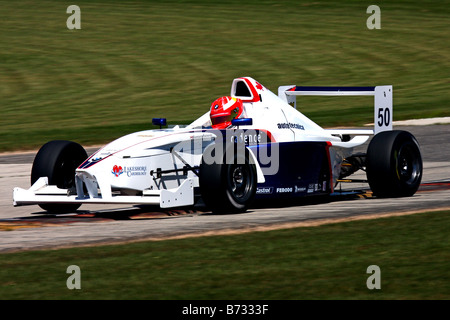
(132, 61)
(326, 262)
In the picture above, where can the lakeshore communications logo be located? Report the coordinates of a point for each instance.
(129, 171)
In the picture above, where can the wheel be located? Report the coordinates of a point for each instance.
(57, 160)
(230, 186)
(394, 164)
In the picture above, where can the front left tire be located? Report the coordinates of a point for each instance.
(229, 186)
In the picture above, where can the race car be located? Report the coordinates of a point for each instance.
(250, 145)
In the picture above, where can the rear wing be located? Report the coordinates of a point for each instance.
(383, 113)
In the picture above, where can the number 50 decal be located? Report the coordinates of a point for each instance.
(384, 117)
(383, 109)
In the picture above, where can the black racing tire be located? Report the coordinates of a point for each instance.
(230, 186)
(394, 164)
(57, 160)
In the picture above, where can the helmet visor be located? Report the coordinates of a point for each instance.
(222, 119)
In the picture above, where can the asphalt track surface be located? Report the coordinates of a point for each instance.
(29, 228)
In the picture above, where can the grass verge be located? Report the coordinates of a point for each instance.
(326, 262)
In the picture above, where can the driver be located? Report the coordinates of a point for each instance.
(225, 109)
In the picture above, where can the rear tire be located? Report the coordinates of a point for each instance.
(57, 160)
(394, 164)
(230, 186)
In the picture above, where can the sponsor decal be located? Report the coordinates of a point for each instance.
(146, 135)
(130, 171)
(299, 189)
(247, 138)
(284, 190)
(314, 187)
(264, 190)
(135, 171)
(289, 125)
(117, 170)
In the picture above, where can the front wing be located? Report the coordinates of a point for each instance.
(41, 193)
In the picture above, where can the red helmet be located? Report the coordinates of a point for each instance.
(223, 110)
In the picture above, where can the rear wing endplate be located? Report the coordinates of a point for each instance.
(383, 113)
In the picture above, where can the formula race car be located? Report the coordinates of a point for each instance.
(250, 145)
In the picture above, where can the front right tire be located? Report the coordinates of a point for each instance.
(57, 160)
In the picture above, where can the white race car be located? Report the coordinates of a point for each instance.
(250, 145)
